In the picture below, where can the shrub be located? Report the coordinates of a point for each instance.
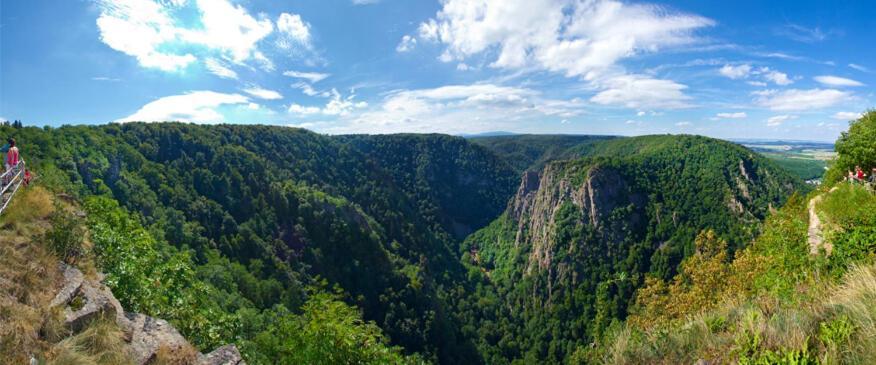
(66, 235)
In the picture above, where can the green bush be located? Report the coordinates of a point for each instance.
(66, 235)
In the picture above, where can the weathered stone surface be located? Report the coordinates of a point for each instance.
(225, 355)
(146, 336)
(72, 282)
(149, 334)
(97, 302)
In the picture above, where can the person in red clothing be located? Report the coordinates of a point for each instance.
(12, 156)
(859, 174)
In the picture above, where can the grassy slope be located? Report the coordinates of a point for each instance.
(774, 303)
(29, 276)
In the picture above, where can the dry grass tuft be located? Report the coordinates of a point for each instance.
(177, 356)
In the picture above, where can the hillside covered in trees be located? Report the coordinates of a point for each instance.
(426, 248)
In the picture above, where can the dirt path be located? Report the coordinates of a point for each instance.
(816, 234)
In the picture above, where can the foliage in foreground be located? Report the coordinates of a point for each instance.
(773, 304)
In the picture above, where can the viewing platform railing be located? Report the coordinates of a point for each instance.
(11, 181)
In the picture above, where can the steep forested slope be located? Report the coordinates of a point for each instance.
(278, 208)
(563, 261)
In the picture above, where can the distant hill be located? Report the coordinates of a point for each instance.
(530, 152)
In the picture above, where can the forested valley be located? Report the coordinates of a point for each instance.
(419, 248)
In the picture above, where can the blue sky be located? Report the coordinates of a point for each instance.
(740, 69)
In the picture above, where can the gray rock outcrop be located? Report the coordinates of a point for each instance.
(85, 301)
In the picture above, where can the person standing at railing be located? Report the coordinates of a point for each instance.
(12, 156)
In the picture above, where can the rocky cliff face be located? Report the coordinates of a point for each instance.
(541, 196)
(84, 301)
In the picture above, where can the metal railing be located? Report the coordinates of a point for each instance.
(11, 180)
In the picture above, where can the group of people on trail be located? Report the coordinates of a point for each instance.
(859, 176)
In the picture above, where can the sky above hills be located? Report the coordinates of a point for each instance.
(740, 69)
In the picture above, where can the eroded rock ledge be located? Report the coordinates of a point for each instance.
(86, 300)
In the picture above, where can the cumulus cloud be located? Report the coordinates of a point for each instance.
(262, 93)
(152, 31)
(218, 68)
(407, 43)
(779, 119)
(294, 31)
(194, 106)
(313, 77)
(572, 37)
(745, 71)
(639, 91)
(837, 81)
(583, 39)
(796, 99)
(847, 115)
(137, 28)
(735, 72)
(365, 2)
(779, 78)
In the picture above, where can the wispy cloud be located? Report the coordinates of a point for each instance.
(218, 68)
(859, 67)
(263, 93)
(800, 33)
(104, 78)
(796, 99)
(313, 77)
(779, 120)
(837, 81)
(738, 115)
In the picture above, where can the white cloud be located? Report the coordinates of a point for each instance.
(147, 30)
(104, 78)
(305, 110)
(337, 106)
(365, 2)
(462, 67)
(796, 99)
(779, 119)
(639, 91)
(219, 69)
(294, 30)
(641, 114)
(859, 67)
(837, 81)
(745, 71)
(137, 28)
(194, 106)
(262, 93)
(306, 88)
(683, 124)
(779, 78)
(407, 43)
(847, 115)
(461, 109)
(577, 38)
(738, 115)
(313, 77)
(736, 72)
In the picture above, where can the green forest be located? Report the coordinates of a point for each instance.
(376, 249)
